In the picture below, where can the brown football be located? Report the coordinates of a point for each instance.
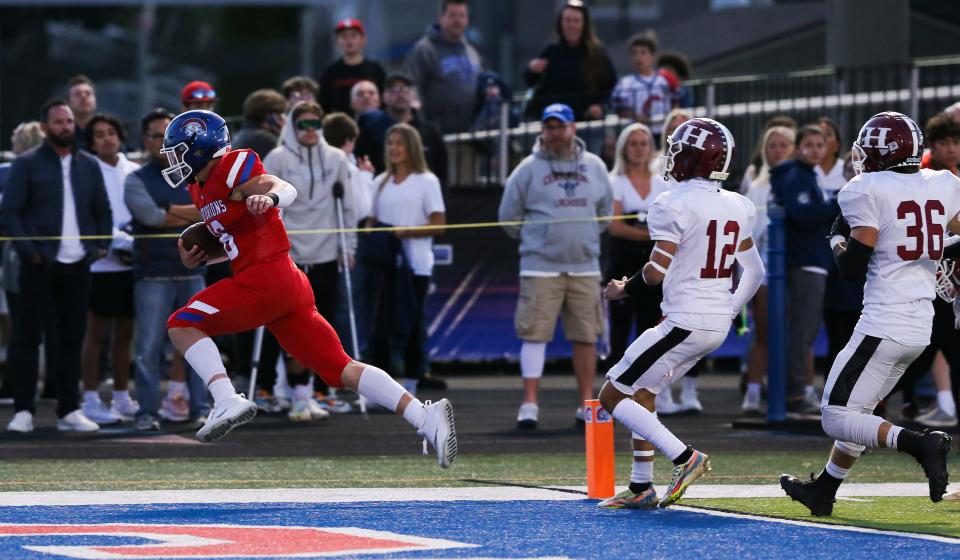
(198, 234)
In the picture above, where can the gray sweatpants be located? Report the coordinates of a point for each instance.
(805, 292)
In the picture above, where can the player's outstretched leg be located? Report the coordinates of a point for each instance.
(637, 414)
(434, 421)
(229, 409)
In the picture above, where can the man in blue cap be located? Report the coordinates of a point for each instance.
(560, 183)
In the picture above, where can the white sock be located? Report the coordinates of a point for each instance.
(379, 388)
(892, 436)
(645, 424)
(121, 396)
(175, 388)
(532, 357)
(946, 403)
(753, 389)
(689, 387)
(221, 389)
(415, 413)
(91, 397)
(302, 392)
(835, 471)
(642, 470)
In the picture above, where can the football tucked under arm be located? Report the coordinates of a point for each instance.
(199, 234)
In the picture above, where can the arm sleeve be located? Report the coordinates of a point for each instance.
(140, 203)
(605, 203)
(800, 208)
(245, 165)
(433, 202)
(14, 201)
(751, 276)
(852, 259)
(101, 207)
(513, 201)
(664, 223)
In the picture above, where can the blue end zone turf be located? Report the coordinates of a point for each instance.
(519, 529)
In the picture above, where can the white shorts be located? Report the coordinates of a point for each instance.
(661, 355)
(865, 371)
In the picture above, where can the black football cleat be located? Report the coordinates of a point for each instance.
(817, 499)
(934, 447)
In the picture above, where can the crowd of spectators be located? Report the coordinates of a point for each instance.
(365, 147)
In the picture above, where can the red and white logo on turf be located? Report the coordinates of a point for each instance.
(220, 541)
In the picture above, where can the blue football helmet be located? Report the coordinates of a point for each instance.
(193, 139)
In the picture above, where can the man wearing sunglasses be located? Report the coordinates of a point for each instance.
(198, 95)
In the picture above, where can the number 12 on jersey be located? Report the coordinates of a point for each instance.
(731, 231)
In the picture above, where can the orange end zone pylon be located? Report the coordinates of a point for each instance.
(600, 457)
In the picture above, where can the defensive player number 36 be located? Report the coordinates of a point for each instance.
(229, 247)
(731, 228)
(934, 231)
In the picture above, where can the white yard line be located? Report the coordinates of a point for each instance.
(352, 495)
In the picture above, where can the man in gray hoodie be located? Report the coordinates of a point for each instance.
(567, 187)
(445, 66)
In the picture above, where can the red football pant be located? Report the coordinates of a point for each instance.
(274, 293)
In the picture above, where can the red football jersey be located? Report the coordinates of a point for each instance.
(247, 238)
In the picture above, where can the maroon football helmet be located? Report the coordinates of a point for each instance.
(701, 148)
(887, 141)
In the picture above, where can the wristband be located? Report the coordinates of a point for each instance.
(836, 240)
(274, 198)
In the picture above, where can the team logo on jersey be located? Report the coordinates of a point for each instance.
(214, 541)
(193, 127)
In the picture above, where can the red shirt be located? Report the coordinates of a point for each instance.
(247, 238)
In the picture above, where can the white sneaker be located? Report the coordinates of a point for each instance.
(98, 412)
(438, 429)
(77, 421)
(175, 408)
(225, 416)
(22, 422)
(302, 411)
(751, 405)
(689, 401)
(665, 404)
(528, 415)
(317, 411)
(126, 408)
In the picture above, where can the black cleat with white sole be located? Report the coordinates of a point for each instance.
(932, 456)
(817, 499)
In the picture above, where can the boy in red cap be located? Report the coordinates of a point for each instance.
(338, 78)
(198, 95)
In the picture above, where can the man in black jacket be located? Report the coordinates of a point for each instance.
(398, 106)
(54, 190)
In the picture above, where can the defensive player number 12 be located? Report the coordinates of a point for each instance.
(934, 231)
(731, 228)
(229, 247)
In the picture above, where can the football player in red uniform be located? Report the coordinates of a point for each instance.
(239, 203)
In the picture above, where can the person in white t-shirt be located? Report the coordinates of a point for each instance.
(891, 231)
(111, 282)
(777, 146)
(645, 95)
(701, 232)
(408, 195)
(830, 169)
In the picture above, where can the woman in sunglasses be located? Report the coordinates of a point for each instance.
(313, 167)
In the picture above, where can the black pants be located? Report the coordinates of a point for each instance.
(642, 310)
(415, 356)
(59, 294)
(945, 338)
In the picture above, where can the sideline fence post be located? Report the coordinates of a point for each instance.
(776, 317)
(504, 142)
(601, 461)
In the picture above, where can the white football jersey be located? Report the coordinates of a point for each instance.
(911, 212)
(708, 224)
